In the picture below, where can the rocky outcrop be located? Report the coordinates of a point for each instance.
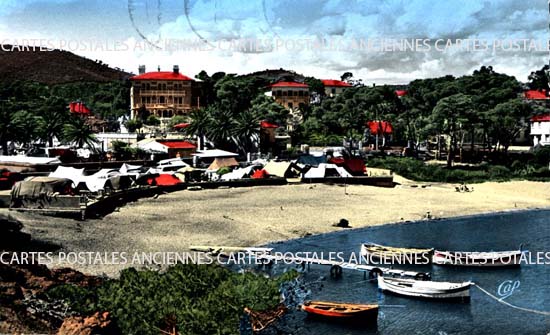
(97, 324)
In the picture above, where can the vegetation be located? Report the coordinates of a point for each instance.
(198, 299)
(233, 118)
(31, 111)
(532, 167)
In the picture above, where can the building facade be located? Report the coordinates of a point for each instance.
(334, 87)
(290, 94)
(540, 129)
(163, 93)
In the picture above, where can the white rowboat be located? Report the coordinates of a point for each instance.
(425, 289)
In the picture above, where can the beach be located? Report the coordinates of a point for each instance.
(259, 215)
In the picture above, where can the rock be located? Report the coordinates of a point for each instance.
(97, 324)
(343, 223)
(10, 292)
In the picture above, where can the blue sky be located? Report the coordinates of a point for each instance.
(95, 27)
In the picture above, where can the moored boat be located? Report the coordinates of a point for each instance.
(396, 255)
(336, 310)
(425, 289)
(478, 259)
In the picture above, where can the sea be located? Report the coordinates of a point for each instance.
(521, 295)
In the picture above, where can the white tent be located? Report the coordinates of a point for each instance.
(324, 170)
(98, 180)
(238, 173)
(214, 153)
(151, 145)
(75, 175)
(130, 169)
(278, 169)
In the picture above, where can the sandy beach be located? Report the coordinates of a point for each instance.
(255, 216)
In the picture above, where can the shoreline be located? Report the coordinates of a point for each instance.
(399, 223)
(270, 215)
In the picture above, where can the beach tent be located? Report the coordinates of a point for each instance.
(98, 180)
(311, 160)
(108, 178)
(128, 168)
(75, 175)
(260, 174)
(240, 173)
(218, 163)
(214, 153)
(40, 192)
(164, 179)
(281, 169)
(327, 170)
(354, 165)
(151, 145)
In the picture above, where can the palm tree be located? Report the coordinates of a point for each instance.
(246, 129)
(221, 128)
(199, 125)
(54, 116)
(79, 132)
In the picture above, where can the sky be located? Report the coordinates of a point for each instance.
(379, 41)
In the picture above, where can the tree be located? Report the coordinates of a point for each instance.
(152, 121)
(246, 130)
(538, 80)
(199, 125)
(451, 116)
(315, 85)
(54, 115)
(507, 120)
(79, 132)
(134, 125)
(266, 108)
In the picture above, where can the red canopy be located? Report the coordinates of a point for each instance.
(380, 127)
(79, 108)
(267, 124)
(164, 180)
(181, 125)
(260, 174)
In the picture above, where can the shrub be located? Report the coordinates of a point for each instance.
(203, 299)
(152, 121)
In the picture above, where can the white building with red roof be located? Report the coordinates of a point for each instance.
(163, 93)
(334, 87)
(540, 129)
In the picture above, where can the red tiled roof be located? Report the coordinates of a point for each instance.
(541, 118)
(161, 75)
(401, 93)
(266, 124)
(535, 95)
(290, 84)
(380, 127)
(178, 144)
(336, 83)
(181, 125)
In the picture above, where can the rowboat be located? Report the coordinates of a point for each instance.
(396, 255)
(480, 259)
(425, 289)
(341, 311)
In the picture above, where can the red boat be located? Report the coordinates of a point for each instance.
(341, 310)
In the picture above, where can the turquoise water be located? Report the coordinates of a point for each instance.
(399, 315)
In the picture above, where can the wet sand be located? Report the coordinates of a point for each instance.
(255, 216)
